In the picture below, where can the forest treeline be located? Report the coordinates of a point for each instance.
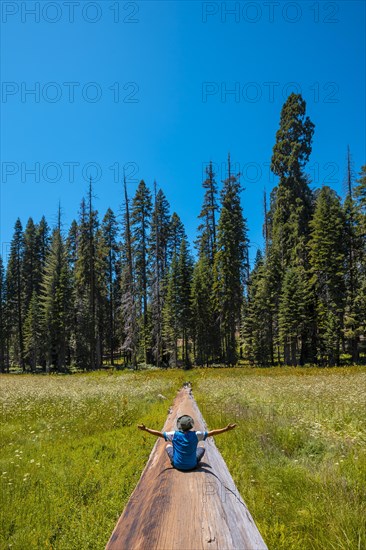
(110, 289)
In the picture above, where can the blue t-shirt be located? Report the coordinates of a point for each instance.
(184, 448)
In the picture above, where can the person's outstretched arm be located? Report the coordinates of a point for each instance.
(221, 430)
(148, 430)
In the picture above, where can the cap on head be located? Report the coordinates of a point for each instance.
(185, 423)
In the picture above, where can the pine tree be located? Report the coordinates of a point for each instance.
(293, 199)
(202, 312)
(101, 294)
(287, 225)
(71, 246)
(260, 330)
(110, 252)
(327, 261)
(42, 250)
(171, 314)
(205, 318)
(56, 304)
(158, 260)
(206, 335)
(185, 273)
(87, 342)
(33, 333)
(176, 236)
(43, 241)
(81, 279)
(3, 327)
(293, 139)
(15, 294)
(207, 229)
(128, 293)
(177, 306)
(95, 355)
(36, 247)
(140, 226)
(293, 309)
(30, 266)
(360, 212)
(257, 321)
(360, 195)
(352, 317)
(230, 265)
(266, 222)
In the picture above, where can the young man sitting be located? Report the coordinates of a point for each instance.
(184, 453)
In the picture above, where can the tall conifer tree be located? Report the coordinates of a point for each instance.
(15, 294)
(86, 340)
(33, 333)
(140, 227)
(3, 324)
(206, 334)
(128, 292)
(230, 265)
(158, 259)
(110, 258)
(353, 314)
(360, 207)
(289, 217)
(56, 303)
(185, 272)
(327, 261)
(31, 267)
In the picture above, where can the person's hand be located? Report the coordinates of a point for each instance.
(141, 427)
(231, 426)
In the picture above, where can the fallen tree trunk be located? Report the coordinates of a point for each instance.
(174, 510)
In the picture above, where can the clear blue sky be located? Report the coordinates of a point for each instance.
(174, 64)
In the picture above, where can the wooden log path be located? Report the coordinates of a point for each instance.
(196, 510)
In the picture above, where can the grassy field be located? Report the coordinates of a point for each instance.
(71, 454)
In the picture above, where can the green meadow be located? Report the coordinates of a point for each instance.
(71, 454)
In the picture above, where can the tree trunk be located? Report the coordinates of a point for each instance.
(293, 352)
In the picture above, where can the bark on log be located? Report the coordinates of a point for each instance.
(196, 510)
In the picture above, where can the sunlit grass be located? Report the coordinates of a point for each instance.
(298, 455)
(71, 454)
